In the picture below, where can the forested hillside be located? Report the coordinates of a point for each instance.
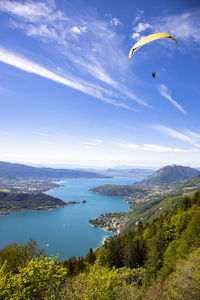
(159, 260)
(12, 202)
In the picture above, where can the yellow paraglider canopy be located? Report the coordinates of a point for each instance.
(148, 39)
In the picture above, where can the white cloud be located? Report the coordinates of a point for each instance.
(97, 71)
(30, 10)
(115, 21)
(138, 30)
(93, 68)
(84, 53)
(96, 141)
(193, 134)
(130, 146)
(132, 95)
(165, 92)
(43, 31)
(93, 142)
(177, 135)
(36, 19)
(75, 29)
(32, 67)
(135, 35)
(78, 30)
(157, 148)
(83, 28)
(184, 26)
(142, 27)
(153, 148)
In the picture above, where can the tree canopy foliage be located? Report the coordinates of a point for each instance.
(159, 260)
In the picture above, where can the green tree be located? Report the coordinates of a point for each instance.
(17, 255)
(190, 237)
(90, 257)
(103, 283)
(40, 278)
(114, 253)
(184, 283)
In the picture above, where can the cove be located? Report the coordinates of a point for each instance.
(65, 231)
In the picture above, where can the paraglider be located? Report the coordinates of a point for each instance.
(148, 39)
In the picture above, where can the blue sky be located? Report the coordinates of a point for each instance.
(69, 94)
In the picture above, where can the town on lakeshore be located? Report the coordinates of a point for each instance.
(156, 193)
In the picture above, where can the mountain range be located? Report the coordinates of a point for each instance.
(14, 170)
(129, 172)
(168, 175)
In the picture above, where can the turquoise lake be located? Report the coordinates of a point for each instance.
(65, 231)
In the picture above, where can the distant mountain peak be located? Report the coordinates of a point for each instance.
(172, 173)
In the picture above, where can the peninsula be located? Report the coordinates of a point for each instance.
(148, 198)
(22, 187)
(14, 202)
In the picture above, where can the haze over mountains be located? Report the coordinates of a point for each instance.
(13, 170)
(129, 172)
(167, 175)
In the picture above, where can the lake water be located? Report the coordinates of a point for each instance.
(65, 231)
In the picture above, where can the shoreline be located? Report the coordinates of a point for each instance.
(10, 211)
(58, 184)
(5, 212)
(103, 234)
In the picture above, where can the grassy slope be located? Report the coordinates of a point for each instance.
(153, 208)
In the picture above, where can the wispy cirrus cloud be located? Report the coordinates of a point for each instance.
(96, 141)
(27, 65)
(184, 26)
(81, 39)
(187, 136)
(31, 11)
(154, 148)
(165, 92)
(93, 142)
(195, 135)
